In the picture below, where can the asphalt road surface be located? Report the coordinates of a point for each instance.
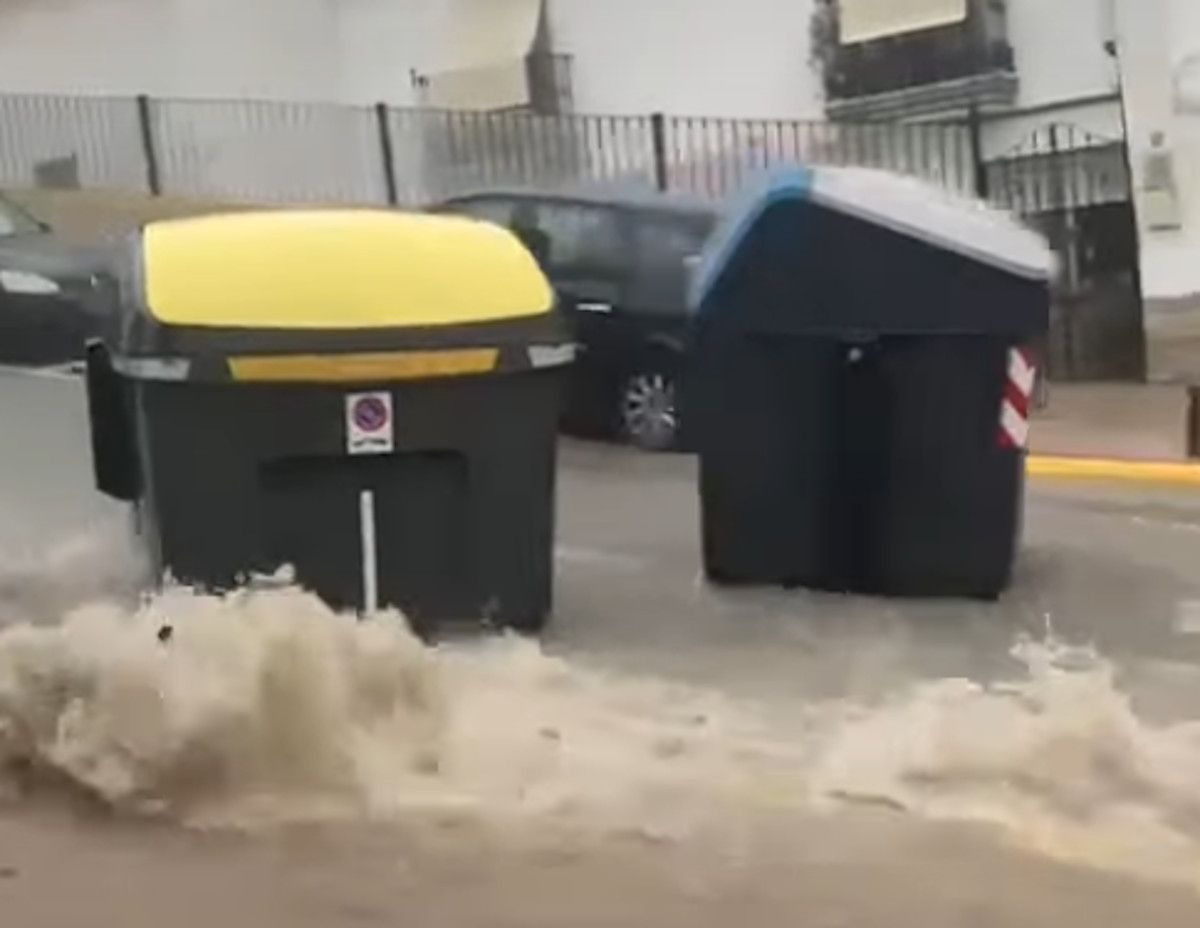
(964, 781)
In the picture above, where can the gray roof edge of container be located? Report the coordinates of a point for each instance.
(800, 184)
(936, 216)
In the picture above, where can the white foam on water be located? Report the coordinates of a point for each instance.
(40, 586)
(264, 706)
(1059, 760)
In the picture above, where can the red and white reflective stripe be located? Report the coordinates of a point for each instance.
(1018, 394)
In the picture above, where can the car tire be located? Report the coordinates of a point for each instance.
(648, 407)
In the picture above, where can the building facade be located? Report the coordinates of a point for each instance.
(1041, 80)
(710, 57)
(1159, 47)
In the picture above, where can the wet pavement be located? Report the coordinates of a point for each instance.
(1114, 567)
(1118, 420)
(1109, 565)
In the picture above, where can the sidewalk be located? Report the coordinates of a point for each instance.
(1113, 420)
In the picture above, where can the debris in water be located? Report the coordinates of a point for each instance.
(864, 799)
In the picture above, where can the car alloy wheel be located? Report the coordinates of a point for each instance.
(649, 410)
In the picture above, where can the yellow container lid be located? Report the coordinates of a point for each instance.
(337, 269)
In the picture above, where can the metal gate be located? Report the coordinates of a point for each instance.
(1075, 187)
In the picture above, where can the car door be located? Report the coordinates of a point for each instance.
(667, 247)
(585, 252)
(588, 259)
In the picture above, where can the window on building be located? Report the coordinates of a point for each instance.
(864, 20)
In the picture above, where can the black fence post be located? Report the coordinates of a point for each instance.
(978, 161)
(658, 139)
(384, 124)
(145, 125)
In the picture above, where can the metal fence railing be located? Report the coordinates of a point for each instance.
(714, 156)
(271, 152)
(93, 140)
(1059, 167)
(440, 152)
(281, 152)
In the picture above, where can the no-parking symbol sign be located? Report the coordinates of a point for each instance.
(370, 428)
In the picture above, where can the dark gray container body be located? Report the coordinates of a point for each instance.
(848, 406)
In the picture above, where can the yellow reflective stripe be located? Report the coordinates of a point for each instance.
(350, 368)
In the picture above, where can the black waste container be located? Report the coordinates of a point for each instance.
(862, 402)
(369, 397)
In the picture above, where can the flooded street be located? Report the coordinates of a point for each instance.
(672, 755)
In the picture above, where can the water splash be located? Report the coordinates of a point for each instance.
(1058, 759)
(39, 587)
(263, 706)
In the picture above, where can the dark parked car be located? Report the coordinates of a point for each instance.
(620, 264)
(50, 291)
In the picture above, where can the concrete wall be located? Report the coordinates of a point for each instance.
(380, 44)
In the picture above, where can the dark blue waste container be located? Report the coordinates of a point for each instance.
(861, 412)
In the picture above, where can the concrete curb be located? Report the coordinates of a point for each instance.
(1169, 473)
(72, 370)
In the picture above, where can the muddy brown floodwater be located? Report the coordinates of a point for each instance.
(271, 763)
(672, 755)
(851, 871)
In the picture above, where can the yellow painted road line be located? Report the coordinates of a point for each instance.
(1173, 473)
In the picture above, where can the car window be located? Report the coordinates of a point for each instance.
(669, 239)
(582, 240)
(666, 246)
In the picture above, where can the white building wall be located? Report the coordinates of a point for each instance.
(748, 58)
(1059, 47)
(704, 57)
(102, 46)
(630, 56)
(1060, 59)
(1160, 45)
(255, 48)
(267, 48)
(690, 57)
